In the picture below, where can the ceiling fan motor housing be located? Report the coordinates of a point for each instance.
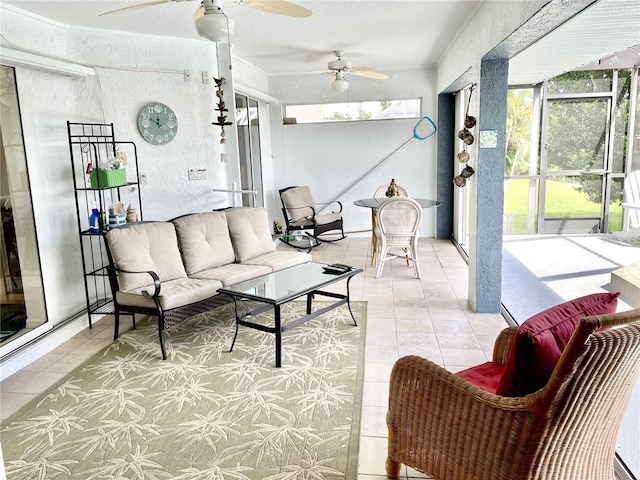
(340, 65)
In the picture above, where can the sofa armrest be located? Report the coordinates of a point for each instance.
(157, 284)
(503, 344)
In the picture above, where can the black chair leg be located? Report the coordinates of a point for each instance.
(160, 336)
(116, 326)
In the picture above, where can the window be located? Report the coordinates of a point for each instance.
(352, 111)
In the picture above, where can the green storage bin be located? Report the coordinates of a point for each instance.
(108, 178)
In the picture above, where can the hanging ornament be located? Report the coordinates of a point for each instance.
(467, 137)
(463, 156)
(469, 120)
(221, 108)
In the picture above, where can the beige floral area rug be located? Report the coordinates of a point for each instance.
(204, 413)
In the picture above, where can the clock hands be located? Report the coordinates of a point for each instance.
(156, 121)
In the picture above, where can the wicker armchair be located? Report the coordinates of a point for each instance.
(442, 425)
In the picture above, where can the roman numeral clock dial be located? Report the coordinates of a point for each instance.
(157, 123)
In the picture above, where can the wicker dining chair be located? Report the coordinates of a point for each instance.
(381, 192)
(442, 425)
(397, 226)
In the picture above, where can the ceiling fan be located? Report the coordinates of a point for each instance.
(338, 68)
(212, 23)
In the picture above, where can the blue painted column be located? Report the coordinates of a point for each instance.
(486, 250)
(446, 124)
(485, 268)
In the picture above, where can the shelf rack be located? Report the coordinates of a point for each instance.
(90, 143)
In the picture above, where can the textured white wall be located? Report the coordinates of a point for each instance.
(131, 71)
(329, 157)
(491, 24)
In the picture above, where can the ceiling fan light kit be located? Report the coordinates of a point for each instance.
(211, 22)
(339, 83)
(338, 68)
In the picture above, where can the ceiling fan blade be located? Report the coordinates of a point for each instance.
(135, 7)
(369, 73)
(280, 7)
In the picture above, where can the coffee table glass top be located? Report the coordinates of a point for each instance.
(280, 286)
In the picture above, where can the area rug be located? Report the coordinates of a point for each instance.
(204, 413)
(13, 318)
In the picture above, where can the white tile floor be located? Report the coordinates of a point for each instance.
(428, 317)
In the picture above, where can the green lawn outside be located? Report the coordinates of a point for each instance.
(563, 200)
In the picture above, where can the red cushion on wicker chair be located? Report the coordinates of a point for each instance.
(486, 375)
(540, 340)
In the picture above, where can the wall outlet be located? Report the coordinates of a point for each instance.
(197, 174)
(187, 75)
(205, 77)
(143, 178)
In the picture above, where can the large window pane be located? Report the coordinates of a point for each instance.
(519, 111)
(340, 112)
(577, 135)
(520, 205)
(590, 81)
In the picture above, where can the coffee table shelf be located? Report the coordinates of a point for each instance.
(283, 286)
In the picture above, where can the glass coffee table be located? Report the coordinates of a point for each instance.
(278, 288)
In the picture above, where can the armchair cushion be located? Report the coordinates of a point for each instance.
(537, 347)
(299, 203)
(486, 375)
(250, 232)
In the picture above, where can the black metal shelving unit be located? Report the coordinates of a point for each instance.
(89, 143)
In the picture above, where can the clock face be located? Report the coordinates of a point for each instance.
(157, 123)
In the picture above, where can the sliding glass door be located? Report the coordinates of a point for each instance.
(248, 123)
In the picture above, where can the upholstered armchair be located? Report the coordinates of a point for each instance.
(448, 426)
(301, 212)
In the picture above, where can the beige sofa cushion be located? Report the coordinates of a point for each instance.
(250, 232)
(233, 273)
(204, 241)
(279, 260)
(173, 293)
(142, 247)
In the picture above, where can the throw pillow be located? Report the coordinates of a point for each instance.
(541, 339)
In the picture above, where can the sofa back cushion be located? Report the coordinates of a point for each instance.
(204, 241)
(540, 341)
(298, 202)
(145, 246)
(250, 232)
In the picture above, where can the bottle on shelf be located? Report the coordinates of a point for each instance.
(102, 221)
(132, 216)
(94, 219)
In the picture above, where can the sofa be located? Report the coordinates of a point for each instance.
(174, 269)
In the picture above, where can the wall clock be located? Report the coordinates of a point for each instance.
(157, 123)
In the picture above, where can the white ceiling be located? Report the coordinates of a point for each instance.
(382, 34)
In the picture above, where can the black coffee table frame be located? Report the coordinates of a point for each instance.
(309, 279)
